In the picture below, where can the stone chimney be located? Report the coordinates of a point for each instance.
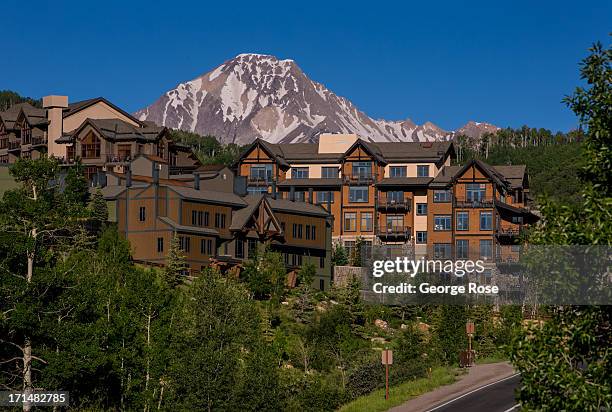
(55, 106)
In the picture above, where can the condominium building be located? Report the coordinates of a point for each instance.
(95, 131)
(217, 222)
(390, 193)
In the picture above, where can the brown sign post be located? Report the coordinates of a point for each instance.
(387, 359)
(469, 330)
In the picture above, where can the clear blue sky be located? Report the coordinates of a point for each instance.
(505, 62)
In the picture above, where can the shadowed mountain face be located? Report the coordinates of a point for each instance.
(255, 95)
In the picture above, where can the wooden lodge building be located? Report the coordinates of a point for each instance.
(397, 193)
(217, 222)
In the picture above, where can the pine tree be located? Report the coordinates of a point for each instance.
(339, 256)
(98, 209)
(175, 263)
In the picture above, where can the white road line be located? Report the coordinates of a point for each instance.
(475, 390)
(513, 408)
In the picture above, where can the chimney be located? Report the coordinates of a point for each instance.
(310, 195)
(196, 181)
(55, 106)
(155, 173)
(128, 178)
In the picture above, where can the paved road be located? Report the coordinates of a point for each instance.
(494, 397)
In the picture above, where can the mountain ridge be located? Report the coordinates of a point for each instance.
(260, 96)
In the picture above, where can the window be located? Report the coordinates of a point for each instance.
(421, 209)
(463, 221)
(239, 248)
(517, 219)
(442, 250)
(307, 232)
(395, 222)
(362, 169)
(206, 247)
(421, 237)
(442, 222)
(486, 248)
(206, 219)
(321, 262)
(321, 284)
(261, 172)
(297, 231)
(299, 196)
(219, 220)
(486, 220)
(251, 247)
(475, 192)
(461, 251)
(358, 194)
(299, 173)
(197, 218)
(350, 222)
(185, 243)
(366, 221)
(329, 172)
(422, 170)
(313, 235)
(397, 171)
(324, 197)
(160, 245)
(395, 197)
(349, 246)
(142, 213)
(90, 147)
(257, 189)
(442, 196)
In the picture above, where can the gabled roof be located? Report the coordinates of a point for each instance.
(83, 104)
(116, 130)
(303, 208)
(515, 174)
(33, 115)
(260, 214)
(508, 176)
(370, 148)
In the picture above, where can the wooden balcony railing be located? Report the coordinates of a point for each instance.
(395, 232)
(39, 141)
(259, 180)
(14, 145)
(358, 179)
(486, 202)
(118, 159)
(390, 203)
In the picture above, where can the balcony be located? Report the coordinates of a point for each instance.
(39, 141)
(259, 180)
(394, 204)
(394, 233)
(14, 146)
(480, 203)
(358, 179)
(118, 159)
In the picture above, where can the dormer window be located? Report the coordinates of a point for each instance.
(90, 147)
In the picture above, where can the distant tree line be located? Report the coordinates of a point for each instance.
(208, 149)
(9, 98)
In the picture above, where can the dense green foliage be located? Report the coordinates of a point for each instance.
(566, 363)
(208, 149)
(9, 98)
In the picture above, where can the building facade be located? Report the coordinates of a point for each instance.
(402, 194)
(99, 134)
(217, 222)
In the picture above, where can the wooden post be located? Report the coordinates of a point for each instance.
(387, 359)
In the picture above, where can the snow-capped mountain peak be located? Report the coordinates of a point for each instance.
(258, 95)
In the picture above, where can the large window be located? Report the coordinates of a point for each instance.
(421, 209)
(421, 237)
(142, 213)
(350, 222)
(239, 248)
(486, 220)
(442, 196)
(461, 249)
(475, 192)
(362, 169)
(329, 172)
(261, 172)
(422, 170)
(442, 222)
(160, 245)
(185, 243)
(349, 246)
(299, 173)
(366, 221)
(206, 247)
(220, 220)
(324, 197)
(397, 171)
(442, 250)
(298, 231)
(90, 147)
(395, 222)
(358, 194)
(463, 221)
(486, 248)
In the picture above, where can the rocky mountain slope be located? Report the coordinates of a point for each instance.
(255, 95)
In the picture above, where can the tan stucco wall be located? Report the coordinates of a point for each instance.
(411, 170)
(99, 110)
(314, 171)
(335, 142)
